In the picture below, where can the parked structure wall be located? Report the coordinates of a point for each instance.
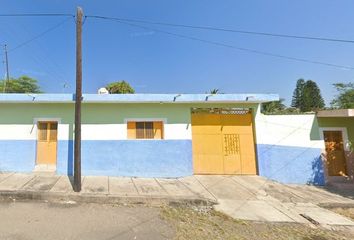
(289, 148)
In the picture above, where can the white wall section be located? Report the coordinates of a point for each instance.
(287, 130)
(178, 131)
(18, 131)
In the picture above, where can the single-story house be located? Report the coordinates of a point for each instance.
(145, 135)
(160, 135)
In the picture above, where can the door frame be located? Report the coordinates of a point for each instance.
(344, 135)
(345, 145)
(35, 127)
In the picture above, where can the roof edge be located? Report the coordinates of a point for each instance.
(138, 98)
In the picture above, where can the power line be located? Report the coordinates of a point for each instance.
(42, 63)
(37, 15)
(226, 30)
(234, 47)
(39, 35)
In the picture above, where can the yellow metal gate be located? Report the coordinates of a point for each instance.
(223, 142)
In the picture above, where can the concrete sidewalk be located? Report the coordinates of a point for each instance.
(256, 198)
(104, 189)
(241, 197)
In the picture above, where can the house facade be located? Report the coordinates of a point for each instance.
(160, 135)
(145, 135)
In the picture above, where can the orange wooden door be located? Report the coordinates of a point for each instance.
(336, 163)
(47, 143)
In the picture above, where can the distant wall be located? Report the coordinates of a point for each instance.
(289, 148)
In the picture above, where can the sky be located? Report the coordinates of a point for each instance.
(154, 62)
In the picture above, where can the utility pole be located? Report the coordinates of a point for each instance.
(78, 99)
(7, 69)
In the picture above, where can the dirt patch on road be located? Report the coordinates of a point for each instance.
(347, 212)
(208, 224)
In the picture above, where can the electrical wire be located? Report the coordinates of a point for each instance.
(39, 61)
(235, 47)
(226, 30)
(37, 15)
(39, 35)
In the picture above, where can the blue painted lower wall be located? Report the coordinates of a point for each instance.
(160, 158)
(289, 164)
(142, 158)
(17, 155)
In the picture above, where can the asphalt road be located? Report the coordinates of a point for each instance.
(38, 220)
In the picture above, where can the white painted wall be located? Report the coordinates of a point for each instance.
(286, 130)
(90, 131)
(104, 131)
(178, 131)
(18, 132)
(119, 131)
(28, 131)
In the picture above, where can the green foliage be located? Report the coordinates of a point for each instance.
(23, 84)
(119, 87)
(307, 96)
(297, 100)
(312, 99)
(274, 107)
(345, 98)
(278, 108)
(214, 91)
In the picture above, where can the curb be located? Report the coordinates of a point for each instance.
(104, 199)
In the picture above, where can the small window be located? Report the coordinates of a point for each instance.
(145, 130)
(47, 131)
(42, 131)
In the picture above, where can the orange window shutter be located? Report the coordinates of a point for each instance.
(158, 130)
(131, 126)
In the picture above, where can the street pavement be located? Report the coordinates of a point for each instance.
(39, 220)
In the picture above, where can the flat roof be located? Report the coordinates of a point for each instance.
(138, 98)
(336, 113)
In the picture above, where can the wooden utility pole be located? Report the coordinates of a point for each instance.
(7, 69)
(78, 99)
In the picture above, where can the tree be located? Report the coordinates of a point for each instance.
(214, 91)
(345, 98)
(307, 96)
(312, 99)
(119, 87)
(297, 100)
(273, 107)
(23, 84)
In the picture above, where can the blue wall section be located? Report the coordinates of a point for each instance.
(142, 158)
(289, 164)
(65, 157)
(17, 155)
